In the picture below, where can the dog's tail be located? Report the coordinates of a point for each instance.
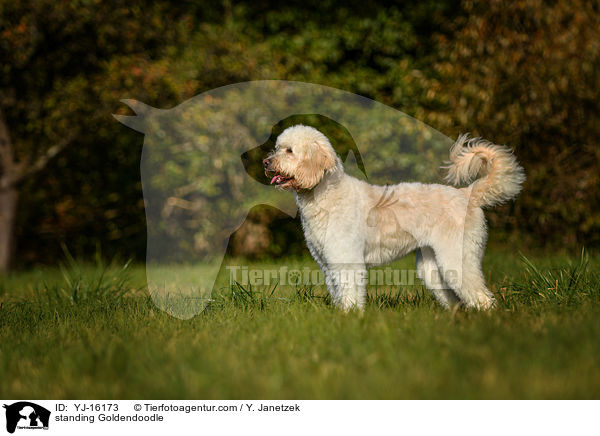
(500, 175)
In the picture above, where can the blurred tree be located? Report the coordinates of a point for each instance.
(56, 60)
(13, 171)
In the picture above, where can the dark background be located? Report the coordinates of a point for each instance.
(524, 73)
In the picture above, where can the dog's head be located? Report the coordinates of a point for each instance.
(302, 156)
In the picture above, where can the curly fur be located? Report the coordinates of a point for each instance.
(500, 175)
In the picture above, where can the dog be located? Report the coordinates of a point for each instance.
(351, 225)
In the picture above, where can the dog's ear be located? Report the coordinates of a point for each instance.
(320, 159)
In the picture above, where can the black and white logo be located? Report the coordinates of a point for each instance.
(26, 415)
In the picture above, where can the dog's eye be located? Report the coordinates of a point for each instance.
(289, 150)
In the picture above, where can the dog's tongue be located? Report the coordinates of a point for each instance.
(278, 179)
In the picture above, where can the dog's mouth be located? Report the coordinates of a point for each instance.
(279, 179)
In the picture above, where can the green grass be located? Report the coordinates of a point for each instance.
(93, 332)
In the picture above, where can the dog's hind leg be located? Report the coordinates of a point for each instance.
(459, 261)
(427, 270)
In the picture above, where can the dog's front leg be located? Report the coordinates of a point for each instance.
(344, 267)
(347, 285)
(346, 278)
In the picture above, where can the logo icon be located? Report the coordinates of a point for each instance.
(26, 415)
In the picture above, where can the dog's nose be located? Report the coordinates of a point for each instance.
(266, 162)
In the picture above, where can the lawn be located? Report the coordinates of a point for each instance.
(92, 331)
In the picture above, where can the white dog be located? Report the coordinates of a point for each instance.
(351, 225)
